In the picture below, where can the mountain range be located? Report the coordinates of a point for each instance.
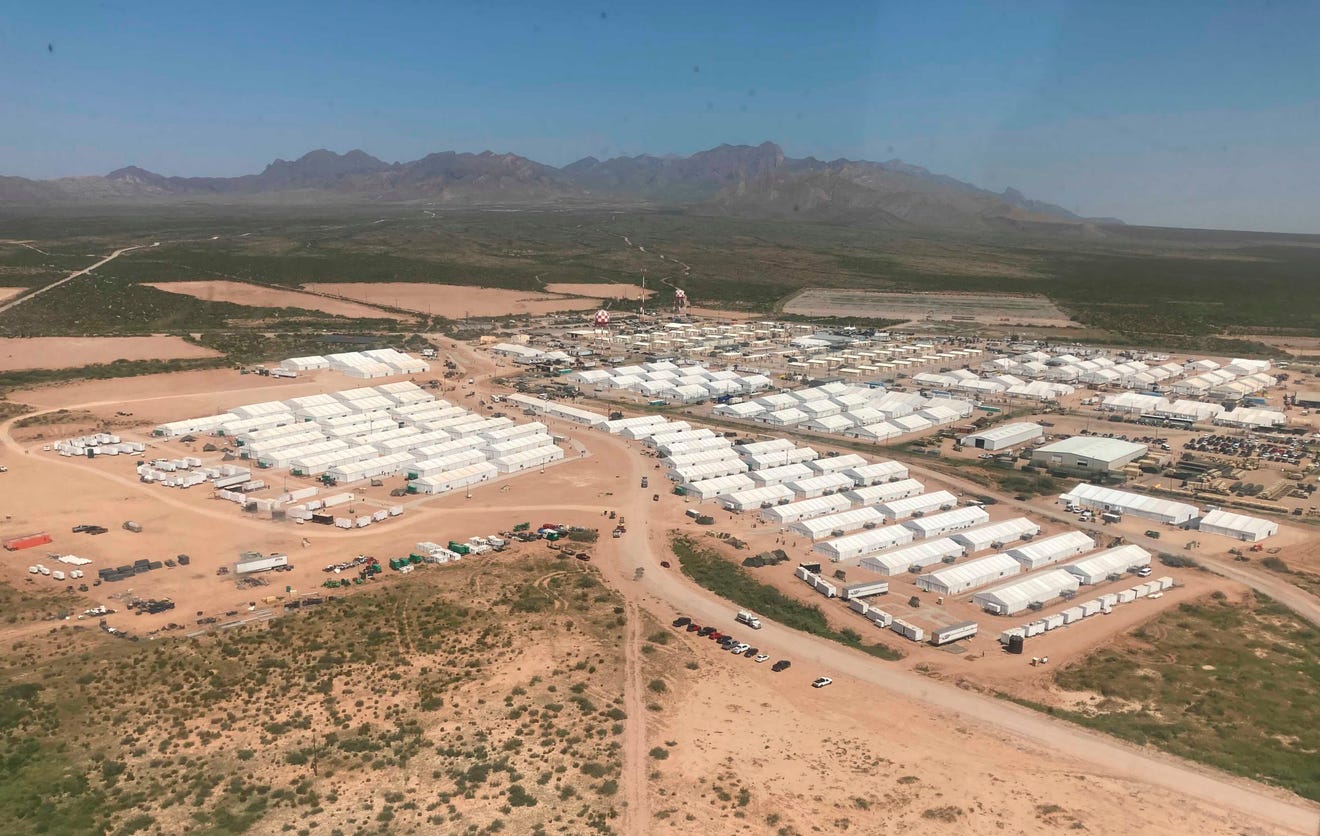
(740, 180)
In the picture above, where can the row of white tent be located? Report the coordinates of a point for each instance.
(1157, 406)
(964, 381)
(1237, 378)
(373, 432)
(669, 381)
(850, 411)
(1089, 569)
(378, 362)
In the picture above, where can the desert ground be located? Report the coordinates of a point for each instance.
(609, 290)
(7, 293)
(731, 723)
(983, 307)
(70, 352)
(268, 297)
(455, 301)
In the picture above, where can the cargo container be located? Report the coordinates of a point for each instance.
(26, 541)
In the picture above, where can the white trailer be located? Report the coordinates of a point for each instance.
(952, 633)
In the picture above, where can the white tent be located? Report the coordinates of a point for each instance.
(958, 579)
(1238, 526)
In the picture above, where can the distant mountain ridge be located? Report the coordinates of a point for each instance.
(756, 181)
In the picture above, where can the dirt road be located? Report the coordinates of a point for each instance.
(75, 274)
(666, 592)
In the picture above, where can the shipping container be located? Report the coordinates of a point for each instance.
(953, 633)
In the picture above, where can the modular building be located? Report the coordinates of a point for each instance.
(1135, 504)
(707, 489)
(836, 525)
(952, 633)
(369, 468)
(819, 485)
(877, 473)
(1004, 436)
(936, 525)
(914, 557)
(441, 464)
(526, 459)
(751, 500)
(1040, 588)
(887, 492)
(864, 543)
(1237, 526)
(805, 509)
(921, 504)
(451, 480)
(997, 535)
(837, 464)
(957, 579)
(707, 470)
(1049, 550)
(1087, 454)
(780, 475)
(1099, 567)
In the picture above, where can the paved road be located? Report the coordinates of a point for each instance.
(75, 274)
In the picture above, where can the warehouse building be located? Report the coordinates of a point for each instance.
(1004, 436)
(1049, 550)
(997, 535)
(1135, 504)
(1087, 454)
(937, 525)
(1040, 588)
(1117, 561)
(1237, 526)
(914, 557)
(955, 580)
(864, 543)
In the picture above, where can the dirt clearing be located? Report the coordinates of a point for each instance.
(269, 297)
(7, 293)
(71, 352)
(610, 290)
(455, 301)
(968, 307)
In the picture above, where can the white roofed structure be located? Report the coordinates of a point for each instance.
(962, 577)
(1238, 526)
(1135, 504)
(1049, 550)
(1097, 568)
(1040, 588)
(917, 555)
(997, 535)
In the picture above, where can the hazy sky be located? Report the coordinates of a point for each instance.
(1184, 114)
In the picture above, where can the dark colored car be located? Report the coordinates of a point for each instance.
(664, 564)
(705, 631)
(750, 652)
(693, 627)
(727, 641)
(583, 556)
(781, 665)
(682, 621)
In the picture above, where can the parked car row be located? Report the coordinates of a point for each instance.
(739, 648)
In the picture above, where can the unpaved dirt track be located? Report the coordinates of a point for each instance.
(75, 274)
(637, 813)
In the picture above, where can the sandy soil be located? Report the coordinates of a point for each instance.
(455, 301)
(611, 290)
(734, 724)
(983, 307)
(814, 759)
(10, 292)
(268, 297)
(68, 352)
